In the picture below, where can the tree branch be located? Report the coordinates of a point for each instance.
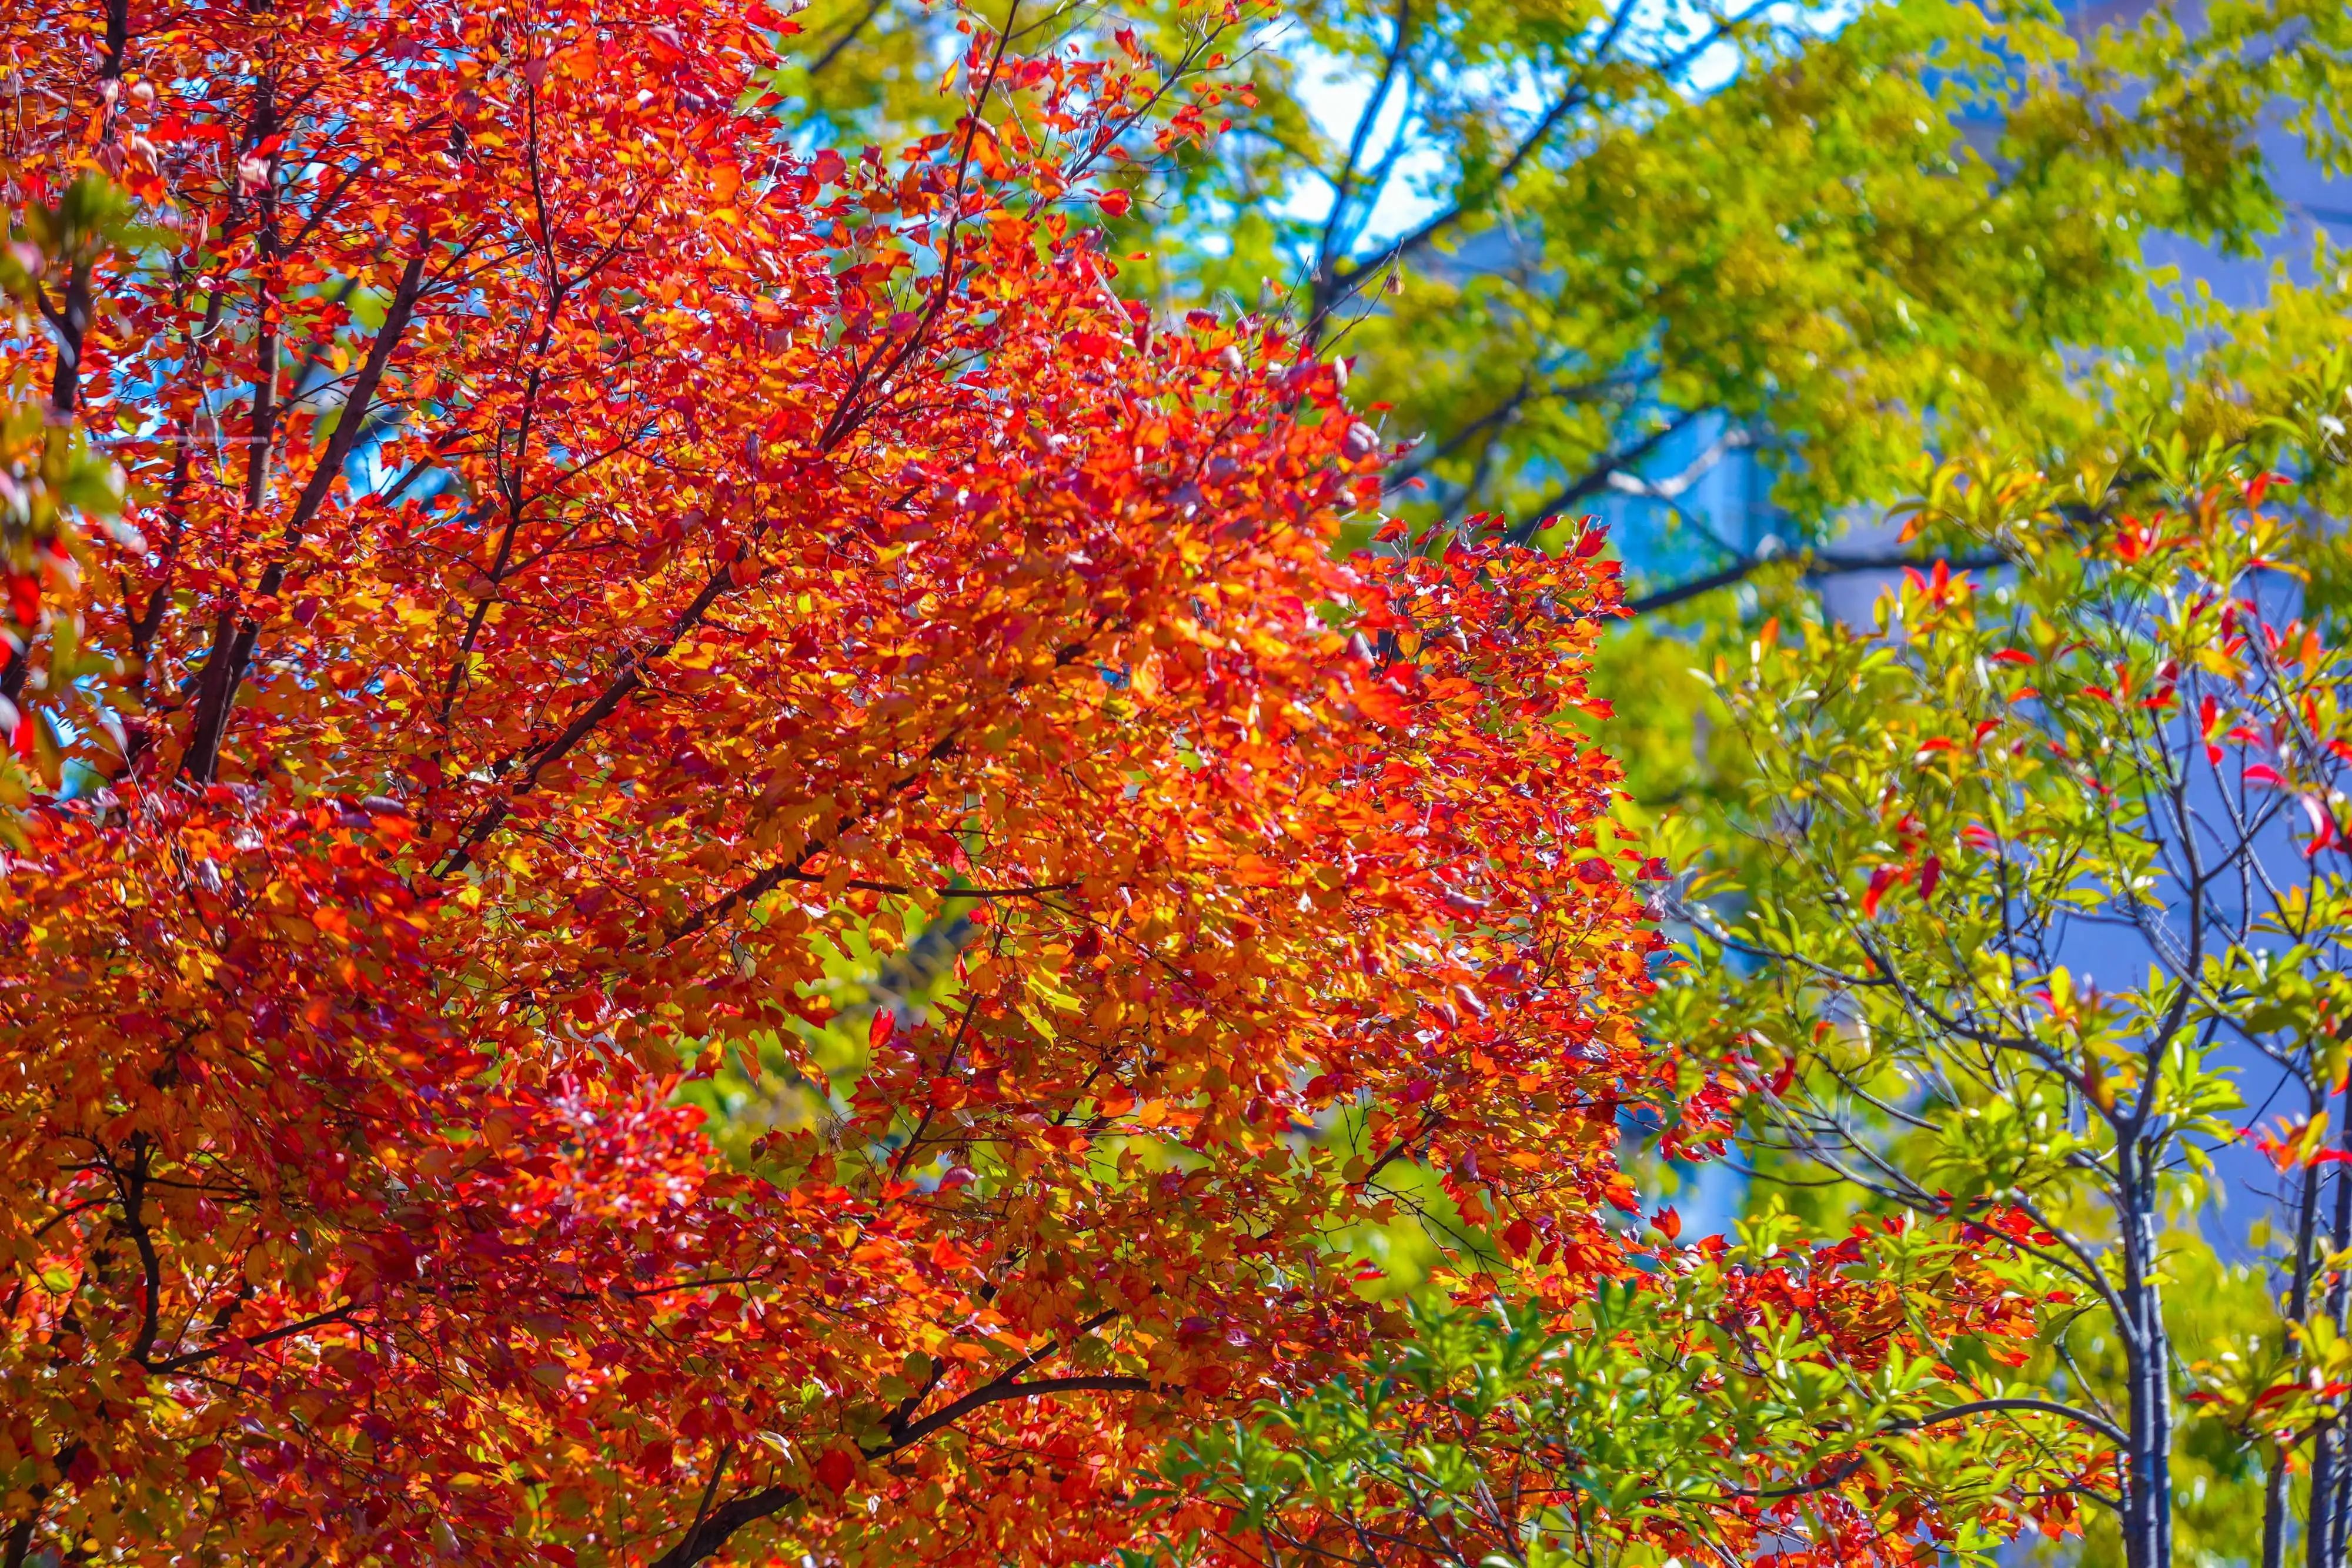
(849, 35)
(712, 1532)
(712, 1529)
(1343, 188)
(996, 1394)
(284, 1331)
(1598, 480)
(203, 757)
(1336, 285)
(2083, 1418)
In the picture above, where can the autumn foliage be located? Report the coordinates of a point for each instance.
(1755, 1399)
(581, 556)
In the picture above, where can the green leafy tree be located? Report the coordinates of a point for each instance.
(2125, 752)
(1752, 1396)
(1591, 249)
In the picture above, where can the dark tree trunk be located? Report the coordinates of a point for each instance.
(2323, 1535)
(2275, 1486)
(2146, 1515)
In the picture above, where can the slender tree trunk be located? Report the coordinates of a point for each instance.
(2298, 1299)
(2323, 1536)
(16, 1547)
(2337, 1505)
(2147, 1463)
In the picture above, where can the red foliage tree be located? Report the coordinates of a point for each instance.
(582, 556)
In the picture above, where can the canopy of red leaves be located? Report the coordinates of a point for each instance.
(586, 555)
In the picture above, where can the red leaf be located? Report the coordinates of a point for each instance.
(1883, 878)
(23, 597)
(836, 1470)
